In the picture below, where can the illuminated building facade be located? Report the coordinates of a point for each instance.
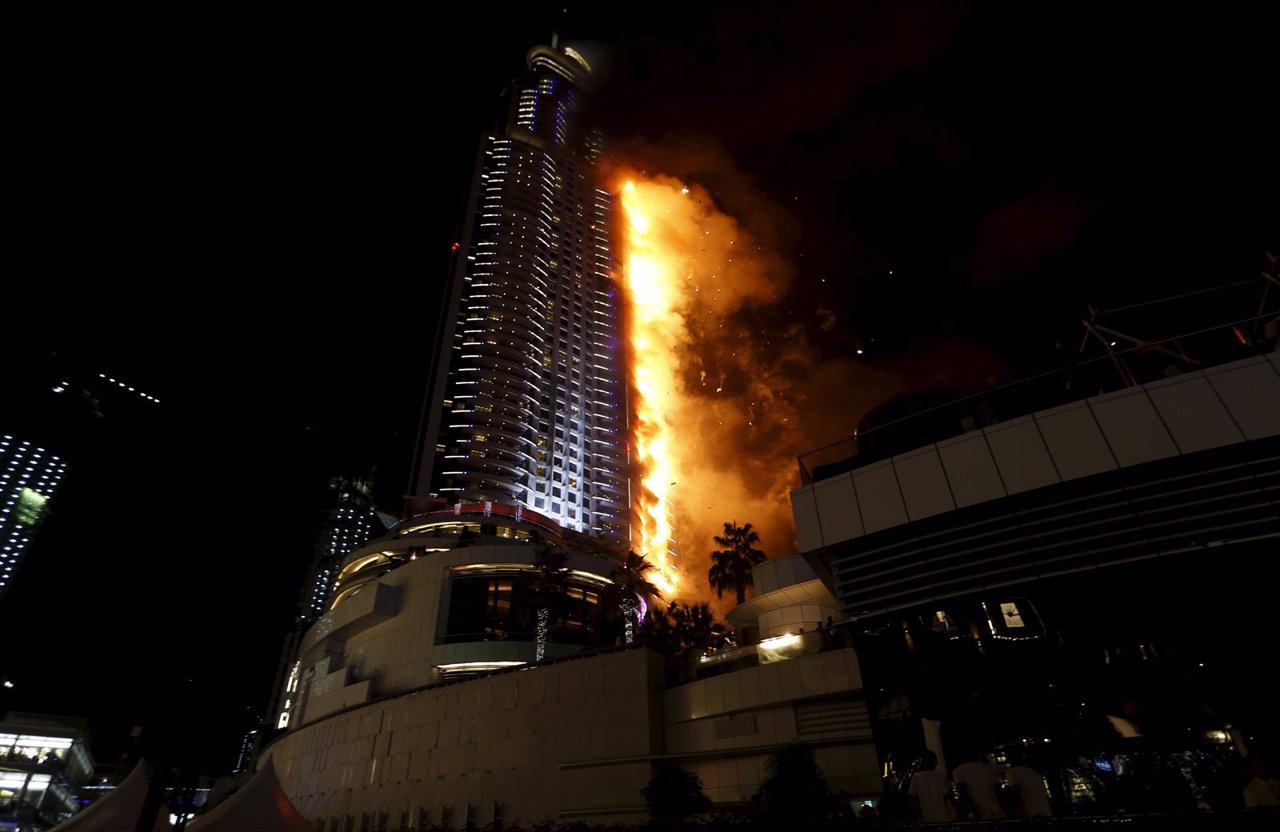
(349, 524)
(248, 750)
(44, 760)
(463, 581)
(418, 700)
(526, 403)
(28, 477)
(62, 414)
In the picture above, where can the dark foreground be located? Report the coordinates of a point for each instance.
(1263, 820)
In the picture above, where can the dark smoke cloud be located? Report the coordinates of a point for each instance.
(1020, 236)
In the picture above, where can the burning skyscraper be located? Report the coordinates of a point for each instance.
(476, 644)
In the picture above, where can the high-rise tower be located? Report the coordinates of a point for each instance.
(28, 477)
(526, 402)
(350, 523)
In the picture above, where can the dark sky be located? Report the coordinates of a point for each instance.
(252, 218)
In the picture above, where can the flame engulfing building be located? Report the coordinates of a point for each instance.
(525, 405)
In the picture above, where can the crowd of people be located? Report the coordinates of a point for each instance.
(42, 756)
(976, 790)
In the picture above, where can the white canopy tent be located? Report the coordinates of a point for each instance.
(118, 809)
(260, 805)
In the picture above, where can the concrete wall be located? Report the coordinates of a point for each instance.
(793, 619)
(506, 743)
(574, 740)
(1180, 415)
(382, 640)
(724, 728)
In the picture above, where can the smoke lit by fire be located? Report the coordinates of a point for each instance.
(727, 384)
(687, 268)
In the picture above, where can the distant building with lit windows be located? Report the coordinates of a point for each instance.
(526, 404)
(248, 750)
(62, 412)
(349, 524)
(44, 761)
(28, 477)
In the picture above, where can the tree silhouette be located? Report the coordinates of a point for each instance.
(682, 627)
(549, 580)
(673, 794)
(696, 627)
(731, 567)
(660, 631)
(794, 789)
(630, 584)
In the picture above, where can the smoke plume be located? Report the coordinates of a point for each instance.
(743, 389)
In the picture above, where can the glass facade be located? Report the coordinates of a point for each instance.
(39, 775)
(503, 606)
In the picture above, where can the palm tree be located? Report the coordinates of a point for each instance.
(731, 566)
(630, 583)
(696, 627)
(673, 794)
(550, 572)
(660, 630)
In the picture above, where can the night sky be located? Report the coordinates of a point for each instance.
(252, 219)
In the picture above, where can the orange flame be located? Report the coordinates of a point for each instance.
(724, 391)
(711, 422)
(654, 327)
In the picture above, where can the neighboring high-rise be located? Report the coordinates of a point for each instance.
(28, 477)
(350, 523)
(62, 412)
(526, 402)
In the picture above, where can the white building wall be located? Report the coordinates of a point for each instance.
(1179, 415)
(383, 640)
(726, 727)
(527, 744)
